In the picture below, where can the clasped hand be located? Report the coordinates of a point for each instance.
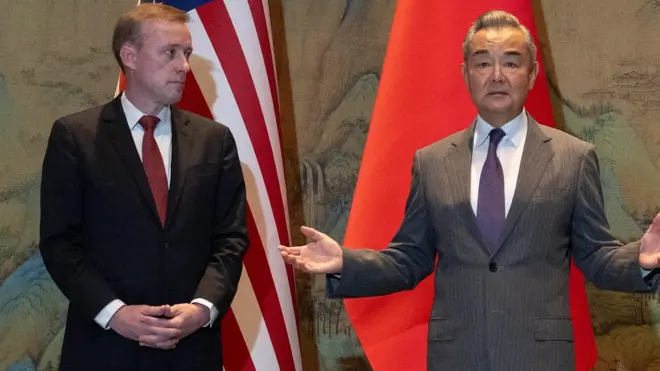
(160, 327)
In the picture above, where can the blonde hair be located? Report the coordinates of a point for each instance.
(129, 27)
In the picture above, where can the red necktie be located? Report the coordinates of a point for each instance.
(153, 165)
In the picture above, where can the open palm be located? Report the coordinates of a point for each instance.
(649, 251)
(321, 255)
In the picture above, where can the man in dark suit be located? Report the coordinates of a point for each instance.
(143, 213)
(502, 206)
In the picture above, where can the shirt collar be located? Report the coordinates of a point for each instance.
(515, 130)
(133, 114)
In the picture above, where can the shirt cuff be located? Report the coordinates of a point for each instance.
(646, 272)
(212, 309)
(104, 316)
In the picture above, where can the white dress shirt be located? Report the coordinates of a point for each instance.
(163, 136)
(509, 151)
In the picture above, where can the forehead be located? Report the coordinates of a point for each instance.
(166, 32)
(499, 40)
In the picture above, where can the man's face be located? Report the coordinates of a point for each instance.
(160, 66)
(499, 73)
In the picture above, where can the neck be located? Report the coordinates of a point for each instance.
(498, 120)
(142, 103)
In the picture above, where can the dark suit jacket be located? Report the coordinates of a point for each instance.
(101, 238)
(507, 310)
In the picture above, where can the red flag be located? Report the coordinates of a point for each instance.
(421, 99)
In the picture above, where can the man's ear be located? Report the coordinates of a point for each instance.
(128, 54)
(464, 71)
(533, 74)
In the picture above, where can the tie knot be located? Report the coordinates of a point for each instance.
(149, 122)
(496, 136)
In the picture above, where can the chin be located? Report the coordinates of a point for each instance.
(498, 109)
(172, 99)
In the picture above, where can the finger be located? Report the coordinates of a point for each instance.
(289, 259)
(291, 250)
(164, 344)
(157, 322)
(170, 313)
(174, 330)
(311, 233)
(152, 339)
(152, 311)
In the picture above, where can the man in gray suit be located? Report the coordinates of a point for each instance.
(502, 206)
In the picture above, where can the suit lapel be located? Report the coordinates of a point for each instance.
(181, 147)
(459, 167)
(119, 135)
(535, 159)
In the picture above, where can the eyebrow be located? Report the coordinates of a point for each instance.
(507, 53)
(513, 53)
(174, 45)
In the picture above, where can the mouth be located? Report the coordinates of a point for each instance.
(497, 93)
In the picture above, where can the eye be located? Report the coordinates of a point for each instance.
(483, 65)
(511, 64)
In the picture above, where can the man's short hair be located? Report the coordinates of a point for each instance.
(129, 27)
(498, 19)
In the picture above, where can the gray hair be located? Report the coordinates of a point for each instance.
(498, 19)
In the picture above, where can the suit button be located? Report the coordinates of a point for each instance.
(492, 267)
(167, 245)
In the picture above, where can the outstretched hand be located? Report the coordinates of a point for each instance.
(321, 255)
(649, 251)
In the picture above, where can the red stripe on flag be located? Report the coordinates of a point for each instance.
(259, 17)
(260, 275)
(235, 353)
(223, 37)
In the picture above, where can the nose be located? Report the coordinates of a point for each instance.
(497, 74)
(181, 62)
(186, 65)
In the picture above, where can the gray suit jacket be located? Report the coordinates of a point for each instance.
(507, 310)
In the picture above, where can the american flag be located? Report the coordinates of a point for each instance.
(232, 81)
